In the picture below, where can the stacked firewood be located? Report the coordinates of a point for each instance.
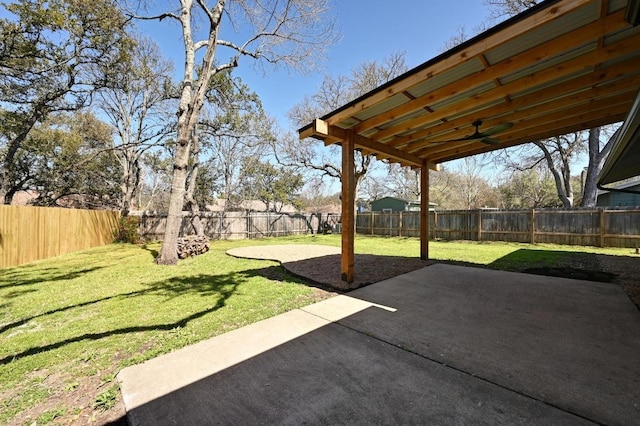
(192, 245)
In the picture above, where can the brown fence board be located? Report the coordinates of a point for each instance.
(30, 233)
(591, 227)
(234, 225)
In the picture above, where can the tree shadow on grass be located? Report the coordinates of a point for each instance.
(155, 253)
(221, 286)
(14, 278)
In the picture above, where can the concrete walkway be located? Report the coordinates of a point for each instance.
(440, 345)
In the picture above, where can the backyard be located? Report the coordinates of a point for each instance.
(70, 323)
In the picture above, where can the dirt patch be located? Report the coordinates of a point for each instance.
(369, 269)
(71, 401)
(320, 264)
(627, 271)
(621, 270)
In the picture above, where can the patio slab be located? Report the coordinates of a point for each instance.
(440, 345)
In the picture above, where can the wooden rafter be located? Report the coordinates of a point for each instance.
(459, 56)
(561, 67)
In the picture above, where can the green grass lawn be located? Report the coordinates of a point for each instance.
(69, 324)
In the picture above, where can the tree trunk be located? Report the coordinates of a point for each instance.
(168, 253)
(563, 185)
(191, 100)
(130, 183)
(192, 204)
(6, 186)
(596, 161)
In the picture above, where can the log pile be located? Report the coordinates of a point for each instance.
(192, 245)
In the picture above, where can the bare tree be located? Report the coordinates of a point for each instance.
(290, 32)
(559, 152)
(472, 190)
(137, 110)
(235, 128)
(598, 153)
(334, 92)
(533, 188)
(502, 9)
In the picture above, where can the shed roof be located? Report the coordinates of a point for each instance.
(559, 67)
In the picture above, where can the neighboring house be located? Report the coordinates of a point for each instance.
(393, 204)
(333, 208)
(24, 198)
(615, 198)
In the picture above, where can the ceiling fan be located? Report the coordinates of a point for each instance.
(484, 137)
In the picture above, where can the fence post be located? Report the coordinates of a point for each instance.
(533, 226)
(479, 224)
(372, 218)
(602, 227)
(400, 225)
(435, 224)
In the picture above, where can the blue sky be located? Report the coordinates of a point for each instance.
(371, 30)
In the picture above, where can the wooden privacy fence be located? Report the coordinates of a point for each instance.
(589, 227)
(33, 233)
(234, 225)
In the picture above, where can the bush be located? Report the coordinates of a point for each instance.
(128, 230)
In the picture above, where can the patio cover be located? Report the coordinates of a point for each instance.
(560, 67)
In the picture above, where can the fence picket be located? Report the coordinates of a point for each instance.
(596, 227)
(30, 233)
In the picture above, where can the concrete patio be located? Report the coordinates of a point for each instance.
(440, 345)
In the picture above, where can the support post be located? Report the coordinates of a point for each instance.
(424, 211)
(533, 226)
(348, 204)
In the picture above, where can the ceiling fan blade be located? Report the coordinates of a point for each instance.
(490, 141)
(497, 129)
(483, 136)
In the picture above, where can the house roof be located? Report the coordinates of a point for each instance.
(561, 66)
(627, 184)
(624, 160)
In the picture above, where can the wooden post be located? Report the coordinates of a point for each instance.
(372, 220)
(400, 224)
(348, 202)
(435, 224)
(533, 226)
(479, 224)
(424, 211)
(602, 227)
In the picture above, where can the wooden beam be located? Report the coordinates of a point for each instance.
(424, 211)
(625, 77)
(460, 56)
(320, 129)
(546, 76)
(535, 114)
(348, 207)
(529, 121)
(562, 127)
(516, 63)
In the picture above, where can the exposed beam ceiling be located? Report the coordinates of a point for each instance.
(560, 67)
